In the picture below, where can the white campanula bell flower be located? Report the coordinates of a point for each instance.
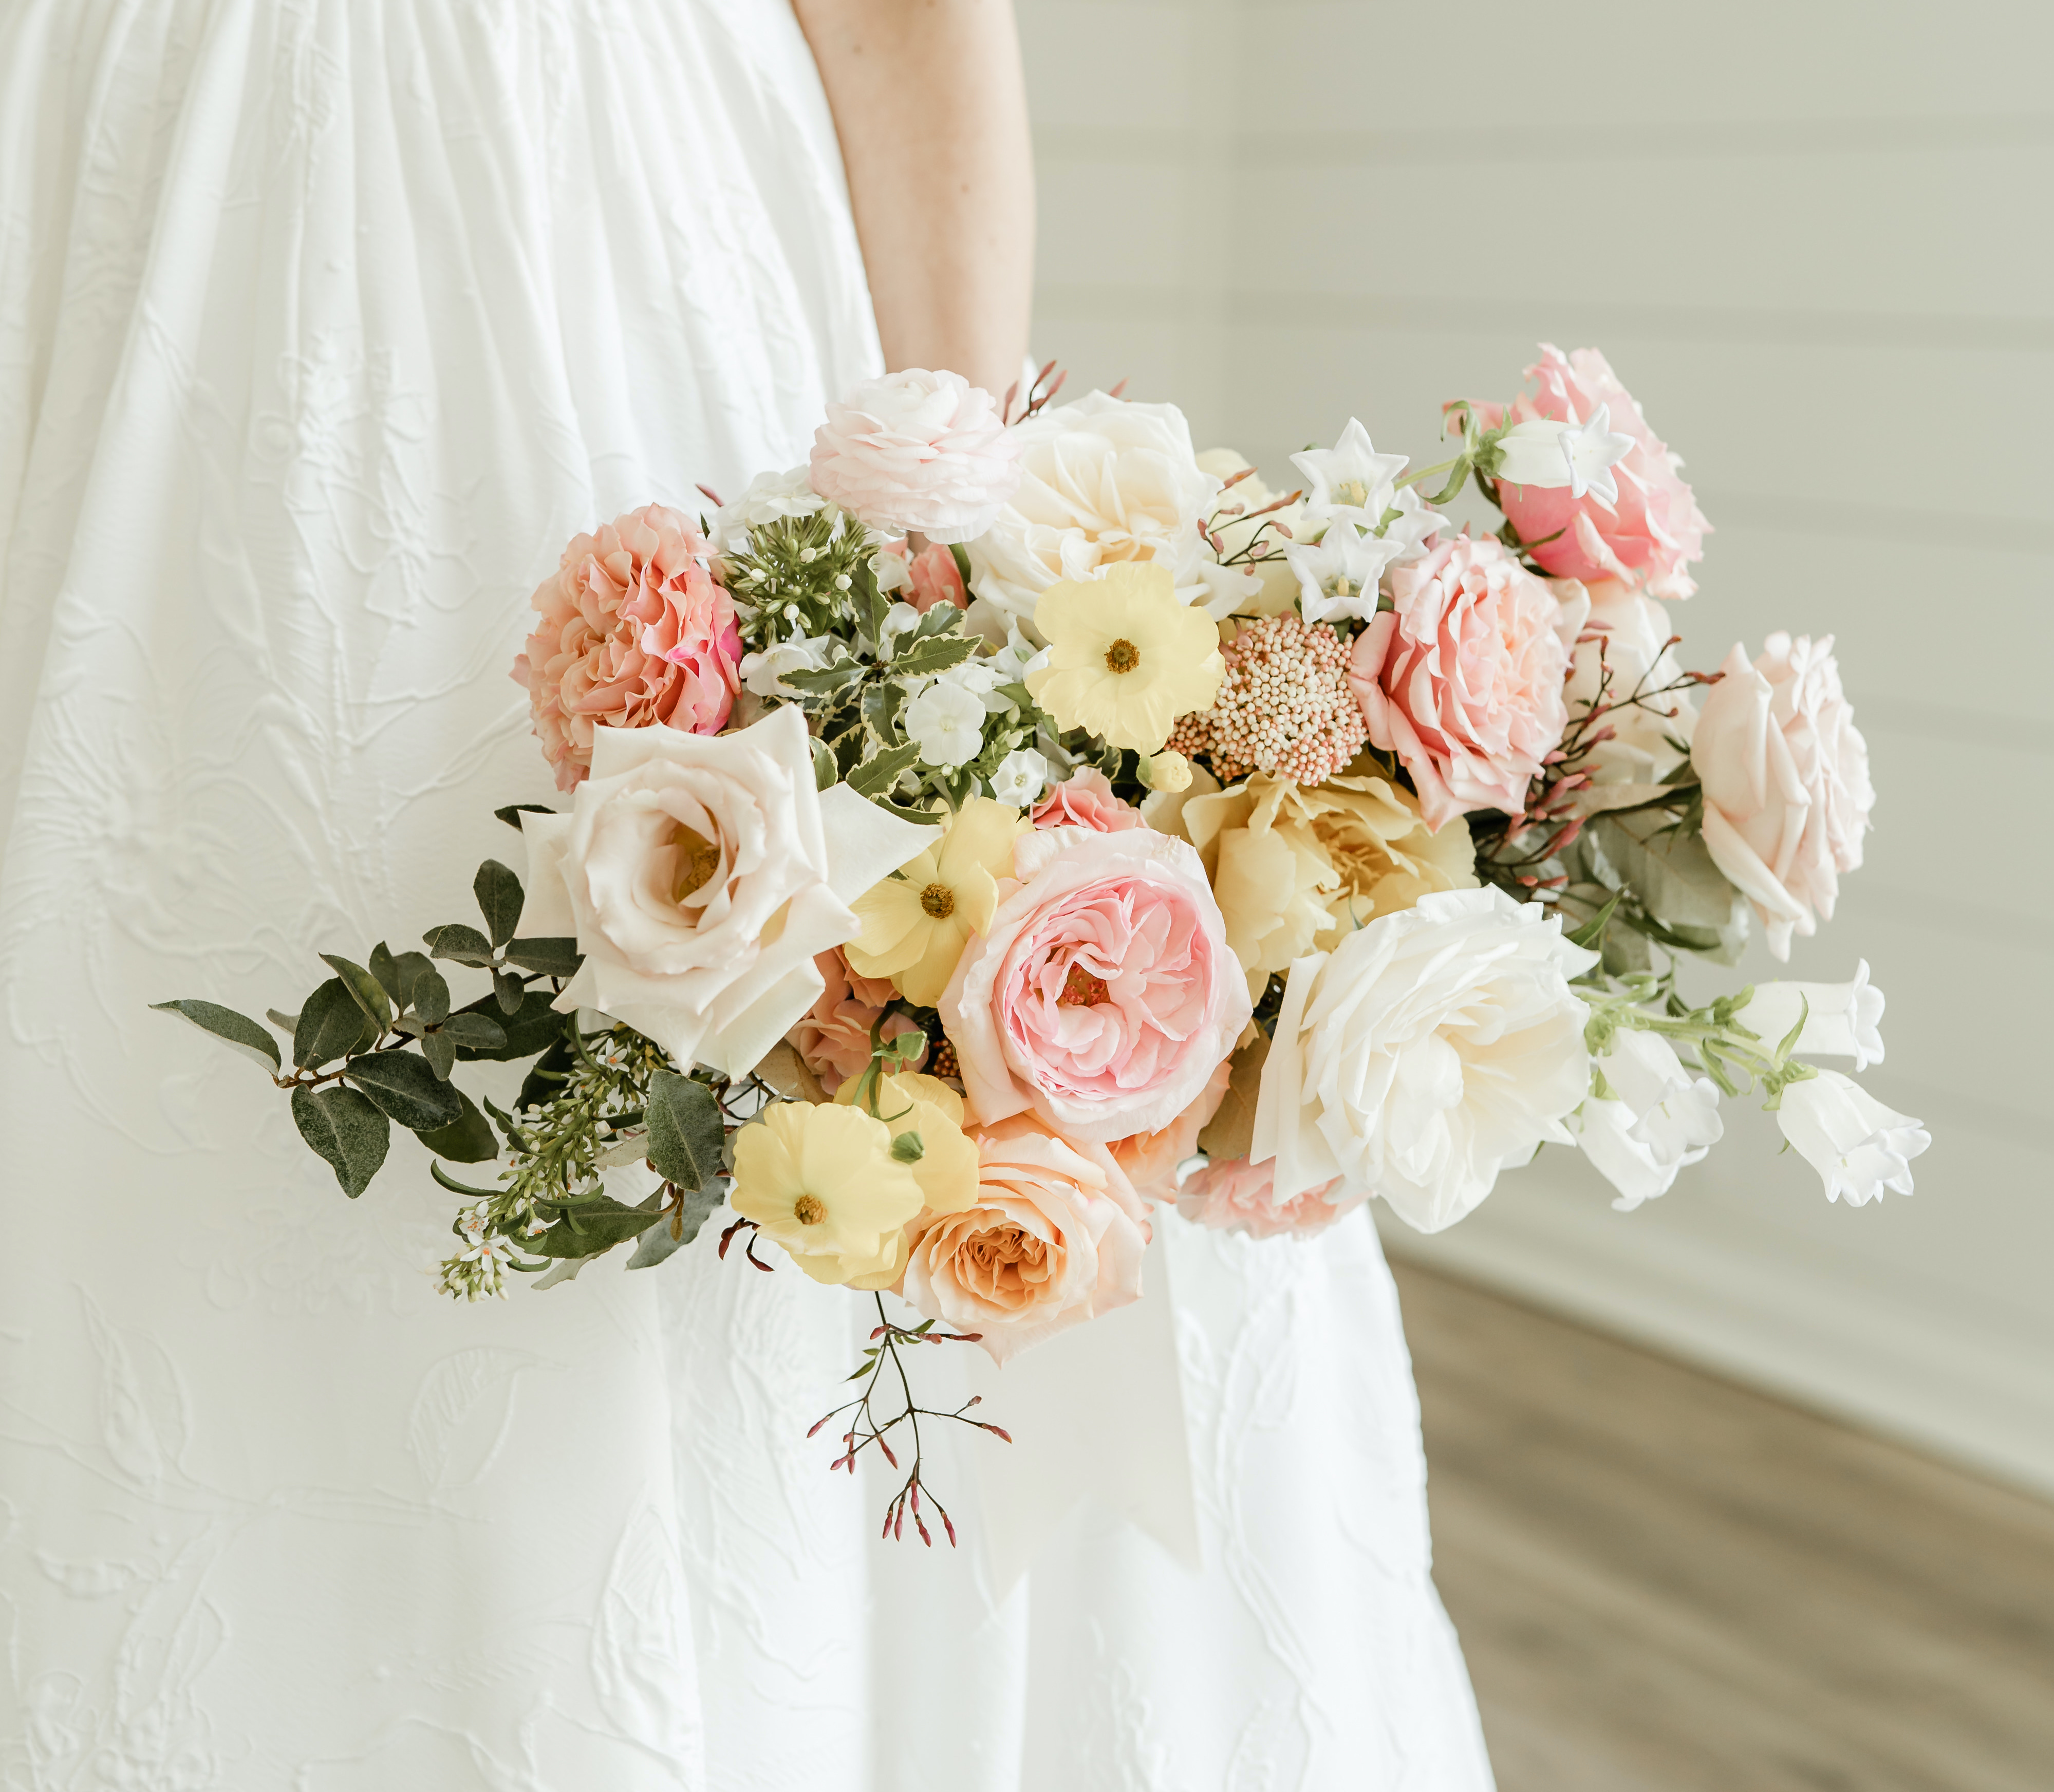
(1859, 1146)
(1657, 1119)
(1841, 1020)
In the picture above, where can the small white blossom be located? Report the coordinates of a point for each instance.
(1841, 1020)
(1859, 1146)
(764, 673)
(769, 497)
(1656, 1119)
(890, 570)
(1018, 657)
(948, 722)
(1021, 777)
(1547, 451)
(1337, 574)
(901, 619)
(1350, 479)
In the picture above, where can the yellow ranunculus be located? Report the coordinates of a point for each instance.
(1126, 659)
(916, 922)
(822, 1182)
(947, 1169)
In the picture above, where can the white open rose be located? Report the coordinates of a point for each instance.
(1656, 1119)
(1424, 1053)
(1103, 481)
(700, 874)
(1785, 773)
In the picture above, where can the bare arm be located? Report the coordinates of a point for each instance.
(931, 111)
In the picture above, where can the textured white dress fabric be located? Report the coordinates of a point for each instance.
(323, 325)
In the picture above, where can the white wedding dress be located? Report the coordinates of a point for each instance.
(323, 325)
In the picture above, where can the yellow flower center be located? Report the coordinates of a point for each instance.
(1351, 492)
(939, 900)
(697, 860)
(809, 1210)
(1122, 656)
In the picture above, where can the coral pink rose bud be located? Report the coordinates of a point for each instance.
(1052, 1237)
(1238, 1196)
(1462, 677)
(833, 1038)
(634, 632)
(1084, 799)
(1104, 995)
(918, 451)
(1654, 527)
(1785, 775)
(1151, 1159)
(932, 577)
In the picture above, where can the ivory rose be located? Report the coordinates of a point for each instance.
(1084, 799)
(1104, 481)
(701, 875)
(1103, 995)
(1236, 1195)
(833, 1038)
(1785, 776)
(1425, 1053)
(634, 632)
(1151, 1160)
(1052, 1237)
(1650, 533)
(918, 451)
(1462, 677)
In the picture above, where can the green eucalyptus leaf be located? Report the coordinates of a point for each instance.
(499, 900)
(332, 1024)
(545, 1077)
(430, 992)
(370, 994)
(508, 991)
(406, 1088)
(465, 944)
(226, 1025)
(535, 1028)
(590, 1226)
(680, 1227)
(471, 1028)
(455, 1188)
(550, 955)
(686, 1131)
(468, 1139)
(285, 1023)
(346, 1130)
(511, 814)
(385, 969)
(439, 1049)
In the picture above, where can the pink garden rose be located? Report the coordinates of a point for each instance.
(1652, 533)
(1785, 774)
(1238, 1196)
(1104, 995)
(1052, 1237)
(833, 1039)
(918, 451)
(1084, 799)
(634, 632)
(1150, 1158)
(1462, 678)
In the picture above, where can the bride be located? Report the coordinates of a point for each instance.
(323, 323)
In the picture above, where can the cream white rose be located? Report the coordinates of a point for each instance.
(700, 874)
(1627, 636)
(1785, 774)
(1103, 481)
(1424, 1053)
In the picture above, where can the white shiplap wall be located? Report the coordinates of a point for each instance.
(1818, 243)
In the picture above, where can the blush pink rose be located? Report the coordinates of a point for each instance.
(1786, 777)
(933, 577)
(634, 632)
(1150, 1158)
(1052, 1237)
(1652, 533)
(1104, 995)
(1084, 799)
(1239, 1197)
(918, 451)
(1462, 677)
(833, 1038)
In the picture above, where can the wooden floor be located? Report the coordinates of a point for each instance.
(1666, 1583)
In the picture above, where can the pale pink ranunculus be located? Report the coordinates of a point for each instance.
(1653, 531)
(1051, 1237)
(932, 577)
(1235, 1195)
(833, 1039)
(1786, 777)
(634, 632)
(1462, 677)
(1084, 799)
(1103, 994)
(1150, 1158)
(918, 451)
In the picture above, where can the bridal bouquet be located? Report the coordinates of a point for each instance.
(1014, 822)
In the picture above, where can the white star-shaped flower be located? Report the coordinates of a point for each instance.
(1337, 574)
(948, 724)
(1021, 777)
(1350, 477)
(1547, 451)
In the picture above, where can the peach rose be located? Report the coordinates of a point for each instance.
(1785, 776)
(1084, 799)
(1238, 1196)
(1052, 1237)
(918, 451)
(1149, 1160)
(1104, 995)
(1462, 677)
(1654, 529)
(833, 1039)
(634, 632)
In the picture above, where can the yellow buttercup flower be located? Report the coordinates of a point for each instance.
(821, 1182)
(947, 1169)
(916, 923)
(1126, 659)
